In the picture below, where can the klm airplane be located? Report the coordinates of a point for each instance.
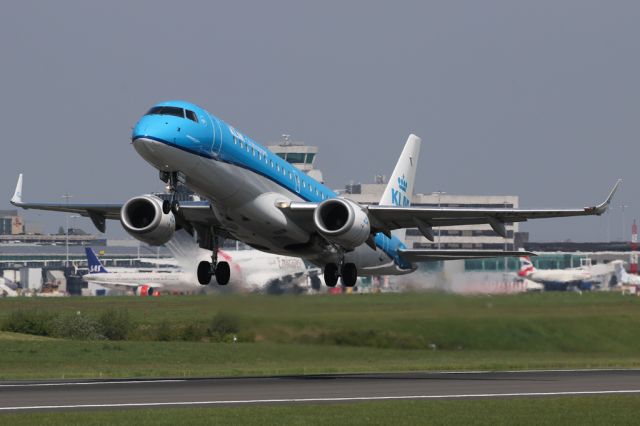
(254, 196)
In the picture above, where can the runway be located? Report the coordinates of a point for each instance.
(112, 394)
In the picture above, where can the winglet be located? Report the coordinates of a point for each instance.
(602, 207)
(17, 195)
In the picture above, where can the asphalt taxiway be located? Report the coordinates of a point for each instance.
(112, 394)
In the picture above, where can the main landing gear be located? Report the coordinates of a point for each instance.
(220, 270)
(171, 205)
(348, 273)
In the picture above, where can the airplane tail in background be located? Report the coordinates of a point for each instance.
(95, 265)
(621, 274)
(526, 266)
(400, 187)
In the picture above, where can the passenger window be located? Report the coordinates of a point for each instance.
(272, 164)
(240, 144)
(235, 141)
(304, 184)
(191, 116)
(278, 167)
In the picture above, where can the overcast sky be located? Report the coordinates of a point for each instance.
(539, 99)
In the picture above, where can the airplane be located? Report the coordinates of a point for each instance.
(252, 195)
(622, 276)
(140, 283)
(582, 278)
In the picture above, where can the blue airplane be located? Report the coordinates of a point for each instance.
(254, 196)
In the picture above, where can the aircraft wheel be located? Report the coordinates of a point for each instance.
(223, 273)
(175, 207)
(331, 274)
(204, 272)
(166, 206)
(349, 275)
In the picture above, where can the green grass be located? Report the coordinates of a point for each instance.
(350, 333)
(585, 410)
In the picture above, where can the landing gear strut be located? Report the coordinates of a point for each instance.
(171, 205)
(220, 270)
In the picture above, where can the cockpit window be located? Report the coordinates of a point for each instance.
(191, 115)
(166, 110)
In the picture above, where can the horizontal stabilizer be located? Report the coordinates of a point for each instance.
(426, 255)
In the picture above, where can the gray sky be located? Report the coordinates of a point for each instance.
(539, 99)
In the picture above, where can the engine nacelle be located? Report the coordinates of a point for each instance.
(145, 290)
(343, 222)
(142, 217)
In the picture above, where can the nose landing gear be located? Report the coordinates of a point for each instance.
(171, 205)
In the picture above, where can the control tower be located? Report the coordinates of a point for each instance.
(300, 155)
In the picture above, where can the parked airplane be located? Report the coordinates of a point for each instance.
(582, 278)
(622, 276)
(140, 283)
(254, 196)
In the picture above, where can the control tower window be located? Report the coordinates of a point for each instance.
(295, 157)
(166, 110)
(192, 116)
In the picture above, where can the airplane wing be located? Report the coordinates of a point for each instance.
(192, 212)
(427, 255)
(387, 218)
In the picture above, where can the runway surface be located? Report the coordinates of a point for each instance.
(70, 395)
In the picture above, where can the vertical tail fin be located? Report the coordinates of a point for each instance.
(526, 266)
(17, 195)
(400, 187)
(621, 274)
(95, 265)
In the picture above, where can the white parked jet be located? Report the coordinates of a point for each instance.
(582, 278)
(254, 196)
(622, 276)
(140, 283)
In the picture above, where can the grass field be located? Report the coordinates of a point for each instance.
(585, 410)
(350, 333)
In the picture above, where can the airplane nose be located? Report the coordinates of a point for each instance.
(140, 130)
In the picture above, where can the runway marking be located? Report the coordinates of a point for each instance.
(113, 382)
(333, 399)
(558, 370)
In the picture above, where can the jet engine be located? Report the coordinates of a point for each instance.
(144, 290)
(342, 222)
(142, 217)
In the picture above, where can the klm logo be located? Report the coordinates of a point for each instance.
(402, 183)
(399, 197)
